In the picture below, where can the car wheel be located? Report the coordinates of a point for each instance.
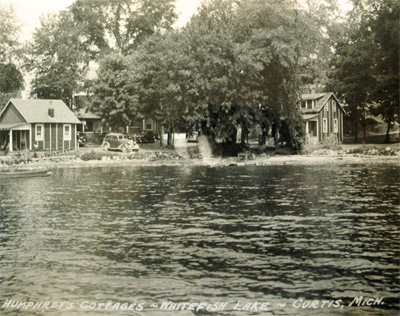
(106, 146)
(124, 149)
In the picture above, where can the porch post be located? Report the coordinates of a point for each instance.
(30, 137)
(11, 142)
(51, 138)
(76, 138)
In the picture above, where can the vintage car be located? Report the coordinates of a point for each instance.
(117, 141)
(147, 137)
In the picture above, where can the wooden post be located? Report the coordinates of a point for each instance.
(10, 141)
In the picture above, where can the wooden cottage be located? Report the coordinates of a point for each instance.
(323, 115)
(38, 124)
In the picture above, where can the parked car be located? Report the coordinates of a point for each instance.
(148, 137)
(119, 141)
(192, 137)
(81, 138)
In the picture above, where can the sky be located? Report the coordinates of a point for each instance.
(29, 11)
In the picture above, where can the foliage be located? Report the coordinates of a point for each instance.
(119, 24)
(57, 58)
(236, 64)
(367, 63)
(115, 91)
(11, 77)
(66, 43)
(92, 155)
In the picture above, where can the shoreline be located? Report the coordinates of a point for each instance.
(75, 162)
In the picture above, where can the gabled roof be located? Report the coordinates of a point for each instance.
(83, 114)
(321, 98)
(312, 96)
(36, 111)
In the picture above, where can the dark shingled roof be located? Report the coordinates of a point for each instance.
(36, 111)
(321, 98)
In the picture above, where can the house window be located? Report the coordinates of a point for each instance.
(303, 105)
(325, 125)
(67, 132)
(39, 132)
(326, 107)
(335, 125)
(333, 106)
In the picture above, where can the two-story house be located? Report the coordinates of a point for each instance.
(323, 115)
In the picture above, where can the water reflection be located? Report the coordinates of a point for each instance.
(197, 234)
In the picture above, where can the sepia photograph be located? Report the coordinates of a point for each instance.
(199, 157)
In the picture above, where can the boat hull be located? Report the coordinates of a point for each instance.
(25, 174)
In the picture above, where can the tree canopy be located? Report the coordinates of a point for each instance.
(57, 58)
(11, 77)
(119, 24)
(234, 65)
(367, 62)
(65, 44)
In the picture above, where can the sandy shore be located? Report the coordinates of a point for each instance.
(72, 162)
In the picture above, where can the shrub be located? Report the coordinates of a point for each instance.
(91, 156)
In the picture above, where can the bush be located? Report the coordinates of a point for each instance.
(91, 156)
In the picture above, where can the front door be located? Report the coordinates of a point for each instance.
(313, 132)
(312, 128)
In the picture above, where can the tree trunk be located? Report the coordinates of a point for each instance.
(243, 137)
(365, 129)
(275, 133)
(387, 136)
(355, 131)
(161, 135)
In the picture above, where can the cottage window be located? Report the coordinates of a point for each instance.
(39, 132)
(325, 125)
(67, 132)
(335, 125)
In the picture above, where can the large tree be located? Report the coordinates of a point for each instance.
(58, 58)
(236, 64)
(66, 43)
(385, 28)
(122, 24)
(11, 77)
(367, 62)
(115, 91)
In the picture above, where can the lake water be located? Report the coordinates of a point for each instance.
(255, 240)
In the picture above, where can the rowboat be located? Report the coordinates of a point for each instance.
(12, 174)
